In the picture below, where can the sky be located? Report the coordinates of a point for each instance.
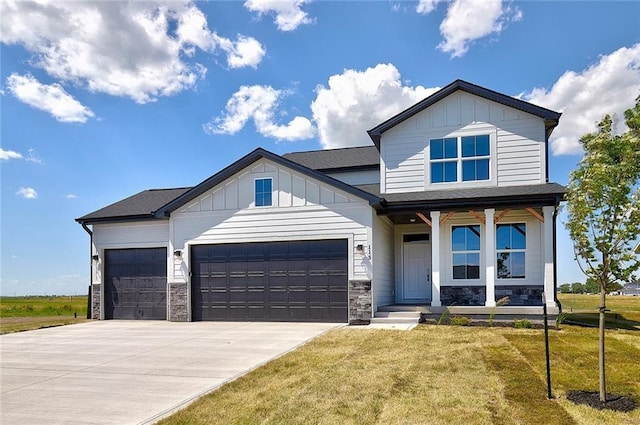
(100, 100)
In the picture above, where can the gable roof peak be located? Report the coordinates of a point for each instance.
(551, 118)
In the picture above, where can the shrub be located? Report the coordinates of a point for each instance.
(502, 301)
(560, 319)
(522, 324)
(444, 316)
(460, 321)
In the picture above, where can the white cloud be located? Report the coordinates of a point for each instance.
(33, 157)
(27, 193)
(609, 86)
(288, 13)
(71, 196)
(49, 98)
(88, 43)
(245, 51)
(356, 101)
(470, 20)
(427, 6)
(7, 155)
(259, 103)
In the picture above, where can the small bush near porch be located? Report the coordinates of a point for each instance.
(430, 375)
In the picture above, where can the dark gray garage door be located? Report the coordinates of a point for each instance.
(303, 281)
(136, 283)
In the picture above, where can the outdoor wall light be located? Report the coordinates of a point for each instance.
(360, 249)
(177, 253)
(95, 258)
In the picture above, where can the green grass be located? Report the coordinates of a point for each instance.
(430, 375)
(27, 313)
(583, 309)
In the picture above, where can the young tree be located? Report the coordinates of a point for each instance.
(603, 211)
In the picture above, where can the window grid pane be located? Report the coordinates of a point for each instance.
(511, 245)
(472, 157)
(465, 244)
(263, 192)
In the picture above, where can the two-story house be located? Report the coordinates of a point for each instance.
(450, 206)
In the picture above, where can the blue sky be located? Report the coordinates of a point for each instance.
(100, 100)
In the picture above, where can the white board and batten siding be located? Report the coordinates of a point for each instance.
(127, 235)
(383, 283)
(303, 209)
(518, 151)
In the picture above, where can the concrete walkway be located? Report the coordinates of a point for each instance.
(131, 372)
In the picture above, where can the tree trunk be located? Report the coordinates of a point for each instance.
(603, 389)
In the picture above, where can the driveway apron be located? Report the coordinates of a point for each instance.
(131, 372)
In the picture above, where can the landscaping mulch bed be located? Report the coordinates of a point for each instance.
(615, 402)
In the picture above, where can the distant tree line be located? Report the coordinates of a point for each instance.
(591, 286)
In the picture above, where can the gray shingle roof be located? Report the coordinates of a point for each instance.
(546, 193)
(336, 159)
(141, 205)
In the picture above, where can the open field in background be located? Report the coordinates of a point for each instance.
(26, 313)
(430, 375)
(583, 308)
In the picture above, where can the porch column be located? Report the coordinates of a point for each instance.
(549, 289)
(490, 256)
(435, 259)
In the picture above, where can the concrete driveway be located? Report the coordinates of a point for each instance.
(131, 372)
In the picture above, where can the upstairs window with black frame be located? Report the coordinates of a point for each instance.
(511, 246)
(465, 248)
(263, 192)
(460, 159)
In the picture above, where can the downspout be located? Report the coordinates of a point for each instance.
(89, 296)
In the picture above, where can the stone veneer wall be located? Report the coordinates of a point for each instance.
(463, 295)
(95, 301)
(521, 294)
(360, 302)
(178, 302)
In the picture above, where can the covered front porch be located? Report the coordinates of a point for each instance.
(468, 259)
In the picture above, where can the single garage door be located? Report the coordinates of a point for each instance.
(136, 283)
(302, 281)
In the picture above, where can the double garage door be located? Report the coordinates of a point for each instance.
(303, 281)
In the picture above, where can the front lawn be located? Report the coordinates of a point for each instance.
(624, 311)
(430, 375)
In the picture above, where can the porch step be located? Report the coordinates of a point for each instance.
(403, 307)
(396, 317)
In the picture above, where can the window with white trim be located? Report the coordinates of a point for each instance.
(511, 248)
(460, 159)
(465, 249)
(263, 192)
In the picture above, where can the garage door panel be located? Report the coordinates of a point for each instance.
(273, 281)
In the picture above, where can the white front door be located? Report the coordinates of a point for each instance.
(416, 271)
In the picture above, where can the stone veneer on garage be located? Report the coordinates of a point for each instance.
(95, 301)
(178, 302)
(359, 302)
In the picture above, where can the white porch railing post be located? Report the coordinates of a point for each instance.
(490, 256)
(435, 259)
(547, 212)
